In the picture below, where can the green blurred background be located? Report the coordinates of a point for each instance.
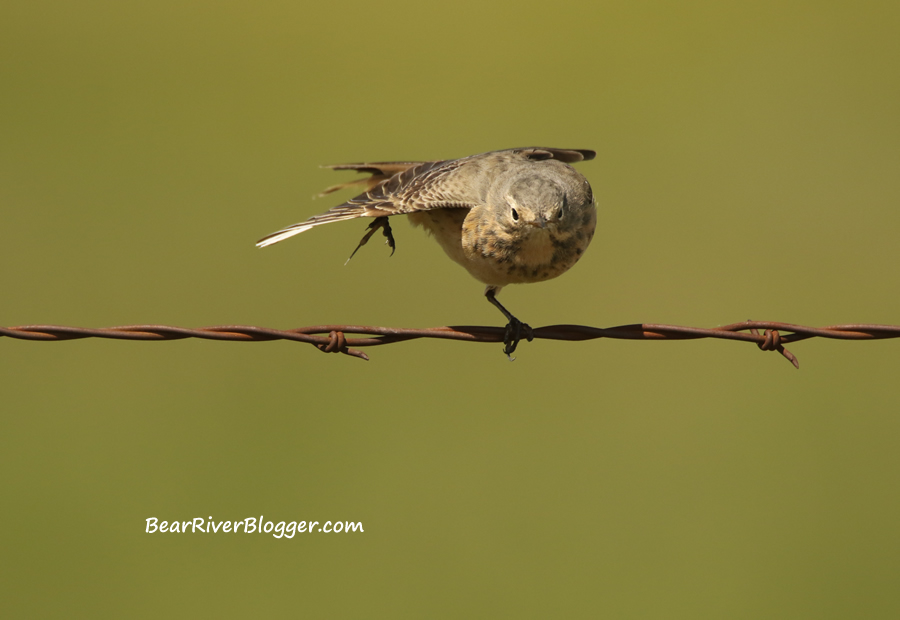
(748, 167)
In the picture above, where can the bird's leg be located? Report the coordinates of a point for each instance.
(378, 222)
(515, 327)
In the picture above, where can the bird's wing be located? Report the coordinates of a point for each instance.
(396, 188)
(460, 183)
(568, 156)
(388, 186)
(379, 172)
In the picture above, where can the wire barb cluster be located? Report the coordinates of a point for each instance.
(333, 339)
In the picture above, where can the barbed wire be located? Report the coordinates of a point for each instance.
(333, 339)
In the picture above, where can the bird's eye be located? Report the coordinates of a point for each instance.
(562, 208)
(559, 213)
(515, 214)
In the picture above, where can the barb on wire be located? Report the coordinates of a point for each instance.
(333, 339)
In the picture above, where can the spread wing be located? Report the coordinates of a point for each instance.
(567, 156)
(394, 188)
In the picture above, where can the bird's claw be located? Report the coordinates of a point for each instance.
(385, 226)
(515, 329)
(386, 229)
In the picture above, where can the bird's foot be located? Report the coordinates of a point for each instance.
(385, 226)
(389, 235)
(515, 331)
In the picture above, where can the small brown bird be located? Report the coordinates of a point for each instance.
(508, 217)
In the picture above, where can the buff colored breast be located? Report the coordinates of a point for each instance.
(474, 239)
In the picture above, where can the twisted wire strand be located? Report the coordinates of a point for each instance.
(333, 339)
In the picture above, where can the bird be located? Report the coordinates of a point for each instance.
(511, 216)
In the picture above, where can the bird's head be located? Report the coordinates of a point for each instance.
(550, 198)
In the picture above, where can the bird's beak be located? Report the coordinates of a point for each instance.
(538, 222)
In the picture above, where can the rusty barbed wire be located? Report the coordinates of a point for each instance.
(336, 341)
